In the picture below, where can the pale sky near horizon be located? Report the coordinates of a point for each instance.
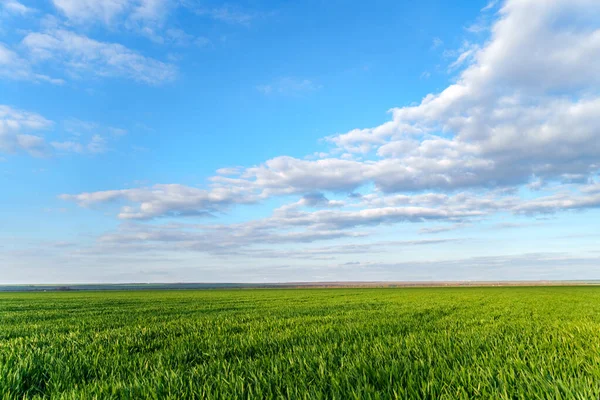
(273, 141)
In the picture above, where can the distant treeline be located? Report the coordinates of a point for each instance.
(290, 285)
(133, 286)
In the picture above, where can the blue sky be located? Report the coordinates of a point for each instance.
(184, 140)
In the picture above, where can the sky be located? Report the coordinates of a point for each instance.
(282, 141)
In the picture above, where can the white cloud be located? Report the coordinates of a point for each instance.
(558, 202)
(86, 10)
(14, 67)
(15, 8)
(77, 127)
(490, 5)
(229, 171)
(311, 219)
(150, 10)
(226, 13)
(108, 11)
(441, 229)
(97, 144)
(166, 200)
(149, 18)
(21, 131)
(79, 55)
(68, 147)
(525, 109)
(291, 175)
(526, 106)
(179, 37)
(334, 219)
(15, 126)
(465, 55)
(478, 26)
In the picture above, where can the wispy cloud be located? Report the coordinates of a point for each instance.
(96, 144)
(232, 16)
(24, 131)
(80, 55)
(15, 8)
(462, 56)
(441, 229)
(490, 5)
(14, 67)
(289, 86)
(178, 37)
(17, 128)
(225, 13)
(112, 11)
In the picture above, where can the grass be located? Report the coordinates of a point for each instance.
(434, 343)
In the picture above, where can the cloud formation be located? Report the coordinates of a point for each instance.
(29, 132)
(17, 128)
(14, 7)
(14, 67)
(165, 200)
(80, 55)
(108, 11)
(522, 116)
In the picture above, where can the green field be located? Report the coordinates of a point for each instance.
(435, 343)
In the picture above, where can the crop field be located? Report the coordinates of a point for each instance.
(430, 343)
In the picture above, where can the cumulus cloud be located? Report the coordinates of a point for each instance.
(319, 200)
(524, 110)
(435, 164)
(80, 55)
(526, 106)
(284, 175)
